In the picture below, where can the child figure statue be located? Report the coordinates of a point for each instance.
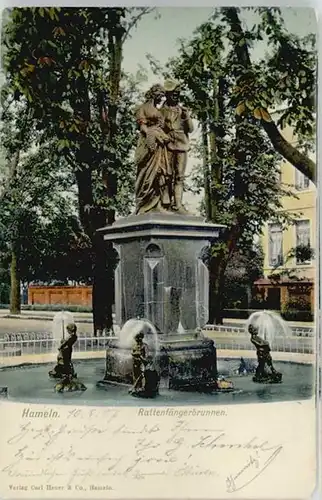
(264, 359)
(145, 376)
(64, 369)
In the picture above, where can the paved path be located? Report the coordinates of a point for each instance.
(38, 325)
(44, 315)
(88, 317)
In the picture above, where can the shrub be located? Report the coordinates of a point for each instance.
(297, 309)
(292, 315)
(288, 315)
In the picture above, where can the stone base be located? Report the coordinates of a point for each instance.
(192, 364)
(162, 276)
(162, 257)
(187, 362)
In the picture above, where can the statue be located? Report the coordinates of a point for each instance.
(153, 182)
(264, 359)
(177, 125)
(145, 376)
(64, 369)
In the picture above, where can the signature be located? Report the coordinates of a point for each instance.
(254, 467)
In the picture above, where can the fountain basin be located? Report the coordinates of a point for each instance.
(30, 384)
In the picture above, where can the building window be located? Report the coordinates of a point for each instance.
(303, 238)
(301, 181)
(275, 245)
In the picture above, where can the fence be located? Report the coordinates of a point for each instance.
(297, 331)
(282, 345)
(18, 345)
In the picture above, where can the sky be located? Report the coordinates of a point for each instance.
(159, 36)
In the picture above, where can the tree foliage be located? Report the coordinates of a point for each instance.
(38, 220)
(67, 64)
(243, 269)
(284, 79)
(239, 172)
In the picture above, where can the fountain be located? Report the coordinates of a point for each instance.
(161, 273)
(64, 369)
(118, 364)
(265, 327)
(184, 362)
(269, 325)
(60, 321)
(161, 294)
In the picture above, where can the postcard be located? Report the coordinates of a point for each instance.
(159, 253)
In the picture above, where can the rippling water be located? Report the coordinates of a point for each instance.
(32, 384)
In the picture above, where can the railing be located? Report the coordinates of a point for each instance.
(295, 345)
(297, 331)
(16, 346)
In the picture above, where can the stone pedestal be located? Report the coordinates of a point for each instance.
(161, 275)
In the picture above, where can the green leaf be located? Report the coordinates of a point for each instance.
(52, 44)
(249, 104)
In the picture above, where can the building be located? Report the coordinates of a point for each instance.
(278, 243)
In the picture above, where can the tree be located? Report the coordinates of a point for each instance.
(15, 132)
(238, 162)
(287, 78)
(243, 269)
(36, 210)
(67, 62)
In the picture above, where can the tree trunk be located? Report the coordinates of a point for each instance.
(217, 282)
(216, 134)
(105, 260)
(205, 166)
(15, 301)
(92, 218)
(217, 269)
(299, 160)
(218, 264)
(103, 287)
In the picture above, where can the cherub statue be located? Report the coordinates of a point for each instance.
(145, 376)
(64, 369)
(64, 366)
(264, 359)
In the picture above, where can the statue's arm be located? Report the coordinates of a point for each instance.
(141, 121)
(74, 339)
(71, 341)
(188, 125)
(63, 344)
